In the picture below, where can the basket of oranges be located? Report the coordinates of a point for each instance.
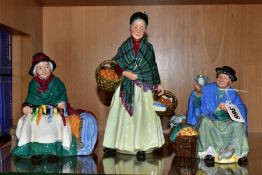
(106, 77)
(185, 142)
(169, 100)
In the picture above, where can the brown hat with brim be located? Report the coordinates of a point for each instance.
(40, 57)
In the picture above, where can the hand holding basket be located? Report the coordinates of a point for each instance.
(169, 100)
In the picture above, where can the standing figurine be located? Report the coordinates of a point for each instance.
(222, 139)
(133, 127)
(193, 115)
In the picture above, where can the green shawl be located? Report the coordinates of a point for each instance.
(55, 93)
(144, 65)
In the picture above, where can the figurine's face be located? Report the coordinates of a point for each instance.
(43, 70)
(138, 29)
(223, 81)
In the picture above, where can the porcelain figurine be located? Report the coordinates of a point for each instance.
(133, 127)
(221, 138)
(49, 126)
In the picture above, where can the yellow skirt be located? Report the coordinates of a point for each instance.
(140, 132)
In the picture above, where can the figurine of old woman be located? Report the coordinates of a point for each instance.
(49, 126)
(221, 138)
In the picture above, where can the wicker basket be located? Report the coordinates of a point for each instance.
(103, 83)
(170, 110)
(185, 146)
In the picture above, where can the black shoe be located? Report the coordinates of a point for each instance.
(36, 159)
(52, 158)
(141, 155)
(109, 152)
(242, 161)
(209, 161)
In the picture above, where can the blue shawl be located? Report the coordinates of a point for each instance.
(209, 101)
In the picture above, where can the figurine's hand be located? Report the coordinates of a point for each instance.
(223, 106)
(27, 110)
(61, 105)
(130, 75)
(197, 88)
(160, 90)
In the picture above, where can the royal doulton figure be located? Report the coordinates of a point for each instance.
(49, 126)
(222, 139)
(133, 127)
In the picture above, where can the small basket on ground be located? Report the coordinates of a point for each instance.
(185, 146)
(106, 78)
(169, 100)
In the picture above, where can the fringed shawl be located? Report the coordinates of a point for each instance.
(144, 65)
(55, 93)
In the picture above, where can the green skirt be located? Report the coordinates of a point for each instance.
(140, 132)
(34, 148)
(217, 135)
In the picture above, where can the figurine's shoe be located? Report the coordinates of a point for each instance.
(36, 159)
(209, 158)
(53, 158)
(109, 152)
(209, 161)
(242, 161)
(141, 155)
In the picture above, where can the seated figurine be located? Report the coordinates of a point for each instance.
(195, 100)
(49, 125)
(222, 139)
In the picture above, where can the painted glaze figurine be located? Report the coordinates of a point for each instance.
(133, 126)
(222, 139)
(49, 126)
(194, 104)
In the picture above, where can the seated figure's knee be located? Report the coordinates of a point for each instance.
(205, 121)
(236, 124)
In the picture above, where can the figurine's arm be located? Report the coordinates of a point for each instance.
(160, 90)
(128, 74)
